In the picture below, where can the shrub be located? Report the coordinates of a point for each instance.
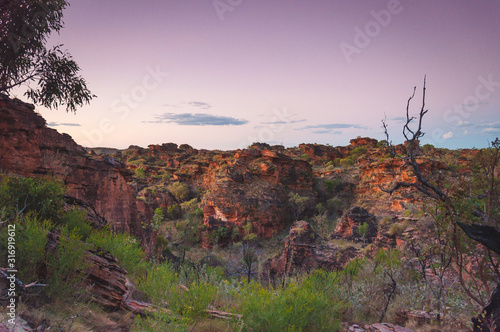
(179, 190)
(38, 195)
(174, 212)
(140, 173)
(349, 161)
(31, 239)
(358, 151)
(66, 266)
(75, 220)
(303, 307)
(124, 247)
(163, 284)
(396, 229)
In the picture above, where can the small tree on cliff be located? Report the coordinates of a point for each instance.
(51, 75)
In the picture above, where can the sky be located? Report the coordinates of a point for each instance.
(223, 74)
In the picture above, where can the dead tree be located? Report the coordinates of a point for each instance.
(489, 236)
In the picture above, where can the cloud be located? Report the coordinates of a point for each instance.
(282, 122)
(56, 124)
(448, 135)
(332, 126)
(197, 119)
(200, 104)
(327, 131)
(401, 119)
(490, 128)
(465, 124)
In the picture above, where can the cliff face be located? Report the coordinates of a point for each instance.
(254, 188)
(29, 148)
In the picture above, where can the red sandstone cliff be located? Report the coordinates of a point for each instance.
(29, 148)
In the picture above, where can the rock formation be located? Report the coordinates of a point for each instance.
(254, 188)
(348, 227)
(29, 148)
(303, 252)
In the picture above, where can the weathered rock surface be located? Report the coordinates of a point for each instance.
(254, 187)
(29, 148)
(348, 227)
(304, 251)
(105, 280)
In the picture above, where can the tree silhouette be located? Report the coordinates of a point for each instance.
(50, 75)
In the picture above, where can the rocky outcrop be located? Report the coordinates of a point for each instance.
(348, 227)
(254, 188)
(364, 141)
(106, 280)
(304, 252)
(29, 148)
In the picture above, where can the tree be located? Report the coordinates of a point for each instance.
(470, 207)
(50, 75)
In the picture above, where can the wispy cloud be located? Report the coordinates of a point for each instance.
(197, 119)
(448, 135)
(331, 126)
(57, 124)
(282, 122)
(490, 128)
(200, 104)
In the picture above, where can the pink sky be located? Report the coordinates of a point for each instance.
(223, 74)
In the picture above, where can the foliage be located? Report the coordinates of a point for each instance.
(140, 173)
(38, 195)
(66, 265)
(187, 298)
(24, 28)
(358, 151)
(298, 204)
(299, 307)
(75, 220)
(179, 190)
(124, 247)
(174, 211)
(363, 230)
(31, 239)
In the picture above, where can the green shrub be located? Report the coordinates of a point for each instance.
(396, 229)
(31, 239)
(76, 221)
(174, 211)
(140, 173)
(179, 190)
(163, 284)
(358, 151)
(298, 307)
(349, 161)
(39, 195)
(66, 266)
(123, 246)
